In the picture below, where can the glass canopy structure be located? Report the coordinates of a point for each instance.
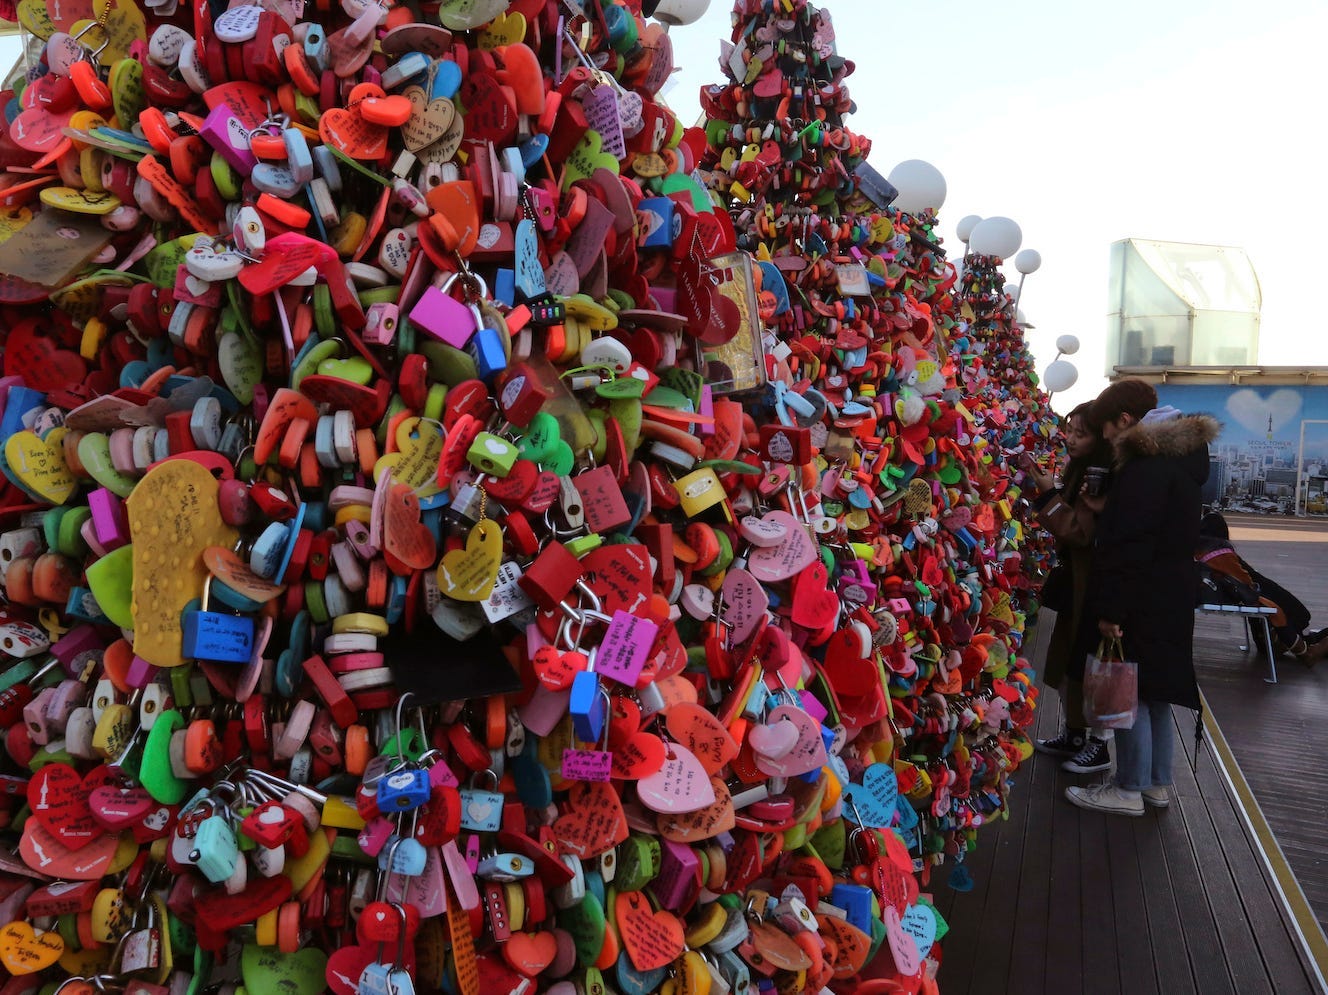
(1176, 304)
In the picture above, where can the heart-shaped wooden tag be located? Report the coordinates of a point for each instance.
(429, 120)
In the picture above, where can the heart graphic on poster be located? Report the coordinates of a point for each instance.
(1252, 411)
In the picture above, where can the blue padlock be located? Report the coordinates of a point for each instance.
(587, 707)
(403, 790)
(486, 348)
(215, 637)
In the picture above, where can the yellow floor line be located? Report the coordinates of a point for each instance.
(1307, 925)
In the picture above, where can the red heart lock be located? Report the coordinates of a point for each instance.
(852, 673)
(58, 796)
(40, 361)
(593, 820)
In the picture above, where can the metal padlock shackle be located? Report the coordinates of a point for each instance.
(400, 735)
(91, 54)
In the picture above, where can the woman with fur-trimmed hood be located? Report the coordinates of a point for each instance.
(1144, 579)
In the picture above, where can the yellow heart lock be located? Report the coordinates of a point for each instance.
(468, 574)
(23, 951)
(39, 465)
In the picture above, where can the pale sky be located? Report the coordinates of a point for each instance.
(1181, 120)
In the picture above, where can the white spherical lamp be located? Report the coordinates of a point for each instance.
(999, 237)
(1067, 345)
(1028, 261)
(1012, 291)
(966, 225)
(920, 184)
(676, 13)
(1059, 376)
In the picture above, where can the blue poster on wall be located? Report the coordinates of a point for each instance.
(1272, 455)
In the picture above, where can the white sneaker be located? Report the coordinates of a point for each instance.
(1108, 798)
(1157, 796)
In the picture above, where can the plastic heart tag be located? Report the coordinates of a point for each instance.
(745, 603)
(352, 134)
(38, 466)
(59, 801)
(267, 969)
(118, 808)
(773, 740)
(814, 605)
(876, 798)
(24, 952)
(406, 539)
(468, 574)
(919, 922)
(699, 731)
(681, 785)
(903, 947)
(794, 552)
(653, 939)
(593, 822)
(807, 753)
(703, 824)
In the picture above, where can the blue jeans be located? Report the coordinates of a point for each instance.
(1144, 753)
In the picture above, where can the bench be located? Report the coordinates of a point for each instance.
(1253, 615)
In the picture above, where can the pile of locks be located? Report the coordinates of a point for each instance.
(432, 563)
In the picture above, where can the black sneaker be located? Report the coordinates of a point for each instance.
(1067, 744)
(1092, 758)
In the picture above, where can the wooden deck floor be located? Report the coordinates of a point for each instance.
(1278, 733)
(1182, 900)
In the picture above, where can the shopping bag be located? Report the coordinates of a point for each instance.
(1111, 687)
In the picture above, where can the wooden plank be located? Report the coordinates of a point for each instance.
(1034, 928)
(1134, 945)
(1283, 960)
(1172, 935)
(1100, 962)
(1066, 941)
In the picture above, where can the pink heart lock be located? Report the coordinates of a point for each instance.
(745, 603)
(794, 552)
(680, 785)
(807, 752)
(117, 808)
(773, 740)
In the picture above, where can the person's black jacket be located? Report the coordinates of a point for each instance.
(1144, 575)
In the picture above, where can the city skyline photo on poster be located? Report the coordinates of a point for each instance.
(1257, 462)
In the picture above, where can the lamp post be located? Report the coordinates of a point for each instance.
(1060, 374)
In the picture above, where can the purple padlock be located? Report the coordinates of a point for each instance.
(227, 135)
(77, 648)
(444, 318)
(626, 647)
(108, 518)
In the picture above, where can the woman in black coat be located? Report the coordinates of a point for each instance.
(1144, 579)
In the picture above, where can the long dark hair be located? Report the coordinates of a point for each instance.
(1073, 476)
